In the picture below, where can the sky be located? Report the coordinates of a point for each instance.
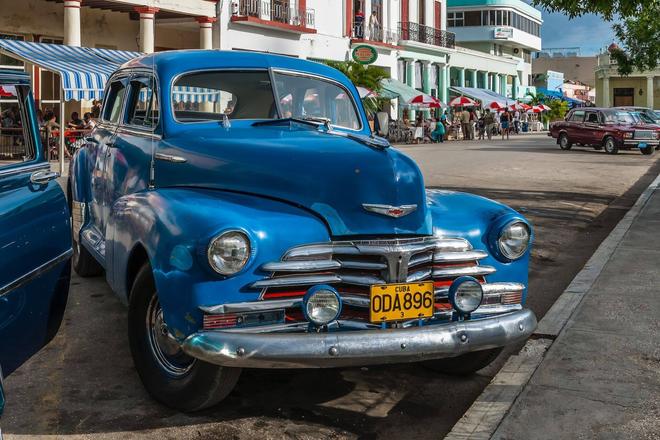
(589, 32)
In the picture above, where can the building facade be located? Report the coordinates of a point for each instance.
(430, 45)
(637, 89)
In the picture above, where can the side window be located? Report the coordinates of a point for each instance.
(114, 102)
(592, 118)
(142, 110)
(577, 116)
(15, 141)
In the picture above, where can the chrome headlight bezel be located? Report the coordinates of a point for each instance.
(505, 234)
(317, 290)
(454, 295)
(216, 243)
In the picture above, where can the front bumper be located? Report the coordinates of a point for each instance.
(636, 142)
(356, 348)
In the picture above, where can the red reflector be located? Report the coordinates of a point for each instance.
(220, 321)
(295, 293)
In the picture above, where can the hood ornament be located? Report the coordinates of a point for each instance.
(389, 210)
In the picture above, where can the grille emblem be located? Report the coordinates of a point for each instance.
(389, 210)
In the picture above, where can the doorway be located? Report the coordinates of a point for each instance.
(624, 97)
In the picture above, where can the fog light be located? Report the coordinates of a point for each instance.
(321, 305)
(466, 294)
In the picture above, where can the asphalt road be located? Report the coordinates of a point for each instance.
(83, 385)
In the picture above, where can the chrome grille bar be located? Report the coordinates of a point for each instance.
(301, 266)
(452, 257)
(474, 271)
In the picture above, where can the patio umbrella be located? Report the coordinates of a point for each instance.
(463, 101)
(543, 107)
(526, 107)
(495, 106)
(365, 92)
(515, 106)
(425, 101)
(7, 91)
(534, 110)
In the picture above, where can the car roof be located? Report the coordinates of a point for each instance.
(175, 62)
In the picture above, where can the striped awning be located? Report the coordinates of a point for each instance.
(84, 71)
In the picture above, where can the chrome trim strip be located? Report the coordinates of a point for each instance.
(463, 271)
(251, 306)
(295, 280)
(301, 266)
(170, 158)
(30, 167)
(34, 273)
(365, 265)
(146, 133)
(452, 257)
(357, 348)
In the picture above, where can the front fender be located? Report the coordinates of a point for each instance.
(175, 227)
(79, 175)
(478, 220)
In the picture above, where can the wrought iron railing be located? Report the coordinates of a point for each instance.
(363, 31)
(426, 34)
(275, 10)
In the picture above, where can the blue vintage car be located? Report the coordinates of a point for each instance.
(241, 207)
(35, 232)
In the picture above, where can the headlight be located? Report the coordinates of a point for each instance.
(514, 240)
(466, 294)
(229, 252)
(321, 305)
(628, 134)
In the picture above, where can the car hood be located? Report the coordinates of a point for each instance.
(329, 175)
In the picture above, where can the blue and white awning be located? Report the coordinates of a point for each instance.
(84, 71)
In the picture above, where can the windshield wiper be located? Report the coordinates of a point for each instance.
(320, 122)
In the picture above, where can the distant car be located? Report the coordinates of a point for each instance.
(652, 115)
(35, 233)
(604, 128)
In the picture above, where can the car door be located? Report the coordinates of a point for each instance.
(100, 148)
(592, 132)
(35, 232)
(575, 126)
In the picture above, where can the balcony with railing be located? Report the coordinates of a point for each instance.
(425, 34)
(375, 35)
(276, 14)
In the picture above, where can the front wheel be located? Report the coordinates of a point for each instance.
(648, 150)
(610, 146)
(564, 143)
(464, 364)
(169, 375)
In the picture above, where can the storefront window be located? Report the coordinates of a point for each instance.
(7, 62)
(472, 18)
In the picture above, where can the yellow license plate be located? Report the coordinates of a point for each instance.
(396, 302)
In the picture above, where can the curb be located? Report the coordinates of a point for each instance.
(487, 412)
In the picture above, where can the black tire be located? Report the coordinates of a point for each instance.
(609, 145)
(564, 142)
(169, 375)
(647, 151)
(464, 364)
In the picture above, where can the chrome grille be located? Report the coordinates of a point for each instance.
(368, 262)
(645, 134)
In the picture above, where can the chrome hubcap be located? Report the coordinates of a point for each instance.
(164, 348)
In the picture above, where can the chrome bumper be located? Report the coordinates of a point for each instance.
(355, 348)
(635, 142)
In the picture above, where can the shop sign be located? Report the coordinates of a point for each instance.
(364, 54)
(503, 33)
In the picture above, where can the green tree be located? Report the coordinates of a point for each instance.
(536, 98)
(558, 109)
(638, 28)
(364, 76)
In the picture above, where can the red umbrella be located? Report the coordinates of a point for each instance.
(543, 107)
(463, 101)
(495, 106)
(516, 106)
(534, 109)
(7, 91)
(526, 107)
(425, 101)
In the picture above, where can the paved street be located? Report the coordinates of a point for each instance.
(84, 384)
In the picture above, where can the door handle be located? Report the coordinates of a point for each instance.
(43, 177)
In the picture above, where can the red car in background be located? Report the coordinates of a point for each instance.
(605, 128)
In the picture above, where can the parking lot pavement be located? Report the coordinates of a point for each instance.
(83, 385)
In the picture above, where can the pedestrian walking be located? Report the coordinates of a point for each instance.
(516, 122)
(465, 123)
(505, 123)
(481, 127)
(489, 122)
(473, 123)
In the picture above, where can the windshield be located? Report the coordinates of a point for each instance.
(620, 117)
(643, 117)
(305, 97)
(208, 96)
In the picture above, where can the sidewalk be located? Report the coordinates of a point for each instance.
(600, 376)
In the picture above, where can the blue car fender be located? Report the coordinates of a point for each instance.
(480, 220)
(174, 226)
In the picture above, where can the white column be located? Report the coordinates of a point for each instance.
(606, 91)
(147, 17)
(206, 32)
(649, 92)
(72, 22)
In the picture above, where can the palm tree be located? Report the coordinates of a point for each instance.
(368, 77)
